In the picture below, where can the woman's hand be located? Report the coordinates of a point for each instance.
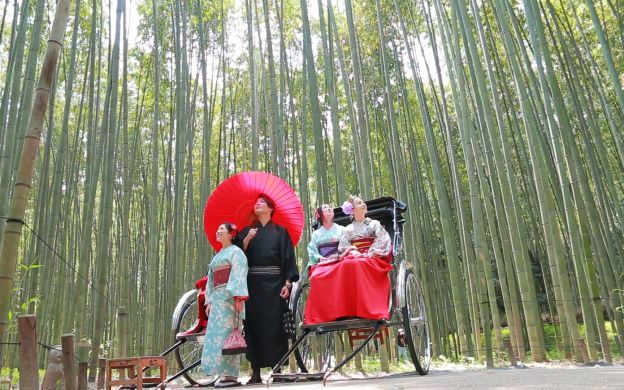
(351, 250)
(328, 258)
(239, 304)
(207, 309)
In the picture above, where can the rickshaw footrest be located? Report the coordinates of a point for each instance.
(299, 375)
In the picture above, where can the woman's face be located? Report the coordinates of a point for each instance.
(328, 213)
(359, 207)
(223, 236)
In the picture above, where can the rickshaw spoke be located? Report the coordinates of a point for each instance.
(415, 322)
(189, 353)
(313, 346)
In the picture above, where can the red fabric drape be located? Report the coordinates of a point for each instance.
(201, 301)
(201, 283)
(353, 287)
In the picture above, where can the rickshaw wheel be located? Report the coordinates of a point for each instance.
(189, 352)
(315, 349)
(415, 323)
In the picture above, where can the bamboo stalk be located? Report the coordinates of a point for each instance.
(25, 172)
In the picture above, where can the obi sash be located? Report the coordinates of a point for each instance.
(363, 244)
(267, 270)
(328, 249)
(220, 276)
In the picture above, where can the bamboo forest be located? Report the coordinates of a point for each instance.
(497, 122)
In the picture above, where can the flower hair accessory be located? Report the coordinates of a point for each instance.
(234, 229)
(347, 208)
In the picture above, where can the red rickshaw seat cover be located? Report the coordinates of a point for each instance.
(354, 287)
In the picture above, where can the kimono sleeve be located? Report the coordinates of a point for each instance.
(382, 244)
(287, 252)
(238, 240)
(209, 285)
(313, 255)
(345, 239)
(313, 252)
(237, 283)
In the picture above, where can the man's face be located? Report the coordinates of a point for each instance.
(261, 207)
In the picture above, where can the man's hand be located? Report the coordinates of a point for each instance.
(250, 235)
(285, 293)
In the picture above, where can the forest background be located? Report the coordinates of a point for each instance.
(497, 121)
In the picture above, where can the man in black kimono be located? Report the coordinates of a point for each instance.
(272, 270)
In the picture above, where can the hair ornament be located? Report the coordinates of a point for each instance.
(347, 208)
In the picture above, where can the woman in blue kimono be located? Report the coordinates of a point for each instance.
(226, 292)
(323, 246)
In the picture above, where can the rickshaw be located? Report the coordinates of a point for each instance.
(406, 303)
(406, 306)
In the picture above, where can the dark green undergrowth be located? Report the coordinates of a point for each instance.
(554, 348)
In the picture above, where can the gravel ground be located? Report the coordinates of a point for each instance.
(534, 376)
(471, 376)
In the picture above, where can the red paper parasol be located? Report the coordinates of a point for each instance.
(234, 198)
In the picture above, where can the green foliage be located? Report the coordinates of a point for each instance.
(9, 377)
(20, 308)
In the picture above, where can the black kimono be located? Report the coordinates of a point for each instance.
(271, 260)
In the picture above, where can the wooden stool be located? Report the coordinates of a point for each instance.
(362, 334)
(135, 366)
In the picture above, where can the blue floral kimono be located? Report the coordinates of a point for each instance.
(323, 243)
(227, 278)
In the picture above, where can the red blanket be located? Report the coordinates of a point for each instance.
(353, 287)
